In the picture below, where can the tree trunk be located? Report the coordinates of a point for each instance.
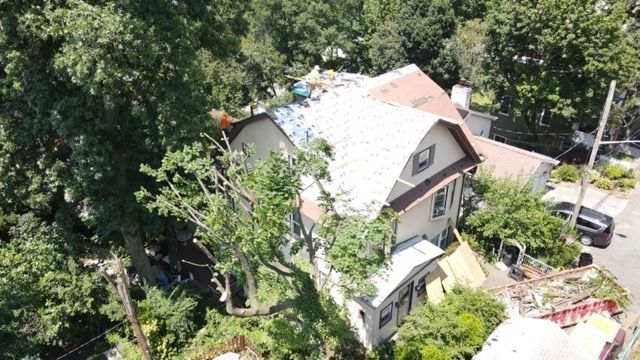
(138, 255)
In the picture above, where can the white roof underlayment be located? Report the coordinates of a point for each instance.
(404, 259)
(372, 140)
(529, 339)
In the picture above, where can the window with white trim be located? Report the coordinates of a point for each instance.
(295, 223)
(440, 203)
(423, 159)
(385, 315)
(545, 117)
(421, 286)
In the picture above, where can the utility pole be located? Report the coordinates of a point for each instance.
(592, 157)
(117, 277)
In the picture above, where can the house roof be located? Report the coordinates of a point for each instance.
(508, 161)
(372, 135)
(409, 86)
(406, 257)
(529, 339)
(465, 112)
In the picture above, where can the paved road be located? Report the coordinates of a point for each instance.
(622, 257)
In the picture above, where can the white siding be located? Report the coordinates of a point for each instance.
(479, 125)
(418, 221)
(447, 151)
(265, 136)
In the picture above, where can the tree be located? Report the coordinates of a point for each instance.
(426, 27)
(385, 50)
(469, 43)
(470, 9)
(558, 55)
(506, 209)
(46, 297)
(308, 33)
(88, 92)
(454, 328)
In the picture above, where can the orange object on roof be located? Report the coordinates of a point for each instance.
(225, 121)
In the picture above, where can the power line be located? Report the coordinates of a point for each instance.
(92, 340)
(573, 147)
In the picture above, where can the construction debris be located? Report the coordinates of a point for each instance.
(566, 297)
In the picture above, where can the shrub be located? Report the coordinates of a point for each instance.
(614, 171)
(434, 353)
(627, 183)
(457, 326)
(604, 183)
(566, 172)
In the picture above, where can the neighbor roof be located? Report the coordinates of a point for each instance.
(508, 161)
(406, 257)
(529, 339)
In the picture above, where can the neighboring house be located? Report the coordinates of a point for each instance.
(506, 161)
(398, 142)
(478, 122)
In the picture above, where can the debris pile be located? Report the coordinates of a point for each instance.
(565, 297)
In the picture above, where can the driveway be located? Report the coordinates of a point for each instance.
(622, 257)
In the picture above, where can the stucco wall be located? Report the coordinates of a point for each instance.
(479, 125)
(417, 220)
(447, 151)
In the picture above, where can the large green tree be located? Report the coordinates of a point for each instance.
(558, 55)
(90, 90)
(46, 297)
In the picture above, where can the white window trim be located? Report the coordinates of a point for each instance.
(542, 114)
(390, 307)
(433, 202)
(496, 135)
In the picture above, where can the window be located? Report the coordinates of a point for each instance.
(545, 117)
(440, 203)
(453, 193)
(423, 159)
(499, 138)
(385, 315)
(421, 286)
(586, 223)
(295, 223)
(505, 105)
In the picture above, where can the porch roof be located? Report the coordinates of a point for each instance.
(404, 260)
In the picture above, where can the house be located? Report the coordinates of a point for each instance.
(506, 161)
(478, 122)
(399, 142)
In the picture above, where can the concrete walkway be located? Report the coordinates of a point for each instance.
(608, 202)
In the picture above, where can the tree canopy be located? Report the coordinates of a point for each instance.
(558, 55)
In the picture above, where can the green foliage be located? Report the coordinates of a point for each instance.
(46, 298)
(426, 27)
(505, 209)
(604, 184)
(468, 42)
(627, 184)
(541, 55)
(566, 172)
(433, 353)
(280, 338)
(456, 327)
(614, 171)
(385, 350)
(385, 49)
(167, 320)
(470, 9)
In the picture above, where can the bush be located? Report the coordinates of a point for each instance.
(431, 352)
(566, 172)
(614, 171)
(456, 327)
(604, 183)
(627, 183)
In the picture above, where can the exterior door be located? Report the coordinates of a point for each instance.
(404, 301)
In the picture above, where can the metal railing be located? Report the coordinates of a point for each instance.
(537, 264)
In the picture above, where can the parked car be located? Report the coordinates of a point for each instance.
(595, 228)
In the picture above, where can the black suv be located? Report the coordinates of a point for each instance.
(595, 228)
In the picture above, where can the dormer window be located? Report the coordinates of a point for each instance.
(423, 159)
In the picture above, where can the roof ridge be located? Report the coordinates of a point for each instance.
(532, 154)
